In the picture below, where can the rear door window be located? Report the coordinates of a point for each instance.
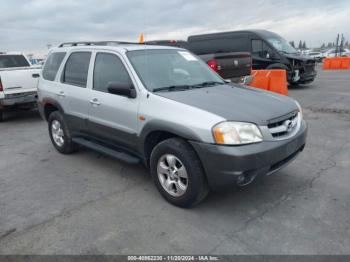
(76, 69)
(52, 65)
(8, 61)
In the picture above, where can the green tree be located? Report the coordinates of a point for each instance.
(300, 46)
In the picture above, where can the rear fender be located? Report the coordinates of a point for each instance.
(46, 102)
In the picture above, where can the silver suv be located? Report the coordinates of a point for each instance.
(164, 107)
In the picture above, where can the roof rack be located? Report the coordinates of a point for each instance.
(98, 43)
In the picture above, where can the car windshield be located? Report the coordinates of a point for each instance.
(172, 70)
(282, 45)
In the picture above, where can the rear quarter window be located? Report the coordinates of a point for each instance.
(8, 61)
(52, 65)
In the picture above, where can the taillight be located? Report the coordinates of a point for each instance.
(1, 87)
(213, 65)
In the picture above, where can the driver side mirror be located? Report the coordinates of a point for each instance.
(121, 89)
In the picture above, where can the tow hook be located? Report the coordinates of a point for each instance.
(296, 76)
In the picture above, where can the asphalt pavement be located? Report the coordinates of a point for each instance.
(87, 203)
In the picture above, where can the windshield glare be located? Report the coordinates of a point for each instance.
(159, 68)
(281, 45)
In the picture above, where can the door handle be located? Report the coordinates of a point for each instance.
(95, 102)
(61, 94)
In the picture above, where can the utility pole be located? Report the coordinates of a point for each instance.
(341, 44)
(336, 46)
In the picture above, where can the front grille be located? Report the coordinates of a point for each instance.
(283, 126)
(309, 66)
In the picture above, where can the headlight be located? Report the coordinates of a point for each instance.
(236, 133)
(300, 110)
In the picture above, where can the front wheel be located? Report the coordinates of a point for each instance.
(178, 173)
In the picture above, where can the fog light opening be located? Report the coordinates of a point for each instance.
(245, 179)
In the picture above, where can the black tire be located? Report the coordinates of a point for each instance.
(68, 145)
(197, 186)
(293, 85)
(1, 115)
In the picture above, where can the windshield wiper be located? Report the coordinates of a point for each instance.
(289, 53)
(187, 87)
(208, 83)
(172, 88)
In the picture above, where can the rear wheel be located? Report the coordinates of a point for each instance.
(178, 173)
(1, 115)
(59, 134)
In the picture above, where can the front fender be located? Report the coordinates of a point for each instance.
(166, 126)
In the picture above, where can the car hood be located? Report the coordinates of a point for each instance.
(236, 102)
(298, 56)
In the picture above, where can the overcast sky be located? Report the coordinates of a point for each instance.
(29, 25)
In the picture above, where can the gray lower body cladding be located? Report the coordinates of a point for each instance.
(226, 166)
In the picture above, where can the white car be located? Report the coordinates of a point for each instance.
(18, 82)
(318, 56)
(332, 52)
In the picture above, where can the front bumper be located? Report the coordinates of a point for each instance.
(227, 166)
(307, 77)
(18, 99)
(303, 74)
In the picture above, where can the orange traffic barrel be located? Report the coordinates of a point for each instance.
(274, 80)
(345, 62)
(336, 63)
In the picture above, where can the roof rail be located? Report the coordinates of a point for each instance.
(75, 44)
(98, 43)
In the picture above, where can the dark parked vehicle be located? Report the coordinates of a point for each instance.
(229, 65)
(268, 50)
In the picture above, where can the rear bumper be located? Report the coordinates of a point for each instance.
(19, 98)
(227, 166)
